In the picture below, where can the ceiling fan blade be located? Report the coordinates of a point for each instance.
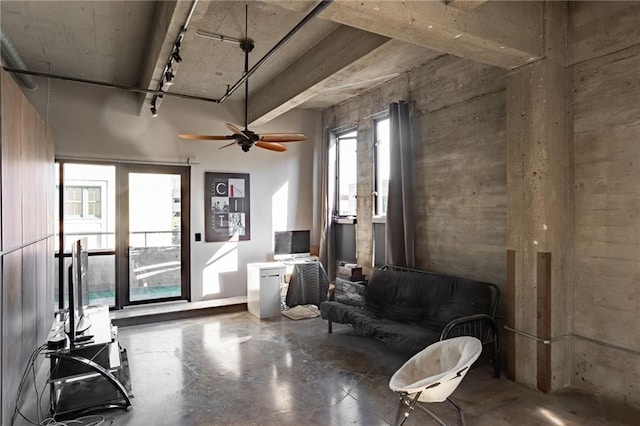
(282, 137)
(195, 137)
(272, 146)
(235, 130)
(228, 145)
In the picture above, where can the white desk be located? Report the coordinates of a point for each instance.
(263, 288)
(264, 283)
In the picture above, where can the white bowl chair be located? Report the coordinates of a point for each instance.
(433, 374)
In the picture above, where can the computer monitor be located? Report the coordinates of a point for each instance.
(291, 244)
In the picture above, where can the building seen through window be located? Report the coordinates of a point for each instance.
(382, 164)
(83, 201)
(347, 174)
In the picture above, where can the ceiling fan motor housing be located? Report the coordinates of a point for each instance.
(246, 45)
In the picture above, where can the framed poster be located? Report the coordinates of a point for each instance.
(226, 207)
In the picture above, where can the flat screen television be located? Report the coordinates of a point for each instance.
(77, 292)
(291, 244)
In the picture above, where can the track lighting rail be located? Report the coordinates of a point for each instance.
(168, 73)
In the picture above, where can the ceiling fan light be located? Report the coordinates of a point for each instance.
(154, 111)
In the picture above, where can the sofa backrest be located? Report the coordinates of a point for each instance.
(426, 298)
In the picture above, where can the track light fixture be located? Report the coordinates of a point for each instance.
(168, 73)
(168, 77)
(155, 104)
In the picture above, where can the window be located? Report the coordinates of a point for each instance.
(83, 201)
(73, 201)
(347, 174)
(138, 213)
(381, 165)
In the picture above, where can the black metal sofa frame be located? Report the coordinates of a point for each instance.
(480, 325)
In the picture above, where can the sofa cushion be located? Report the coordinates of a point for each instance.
(456, 297)
(406, 337)
(349, 292)
(397, 296)
(344, 314)
(425, 298)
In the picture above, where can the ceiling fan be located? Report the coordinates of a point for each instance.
(246, 138)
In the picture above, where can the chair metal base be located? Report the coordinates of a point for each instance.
(409, 403)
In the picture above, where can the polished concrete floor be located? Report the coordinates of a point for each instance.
(234, 369)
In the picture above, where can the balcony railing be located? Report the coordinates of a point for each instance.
(104, 242)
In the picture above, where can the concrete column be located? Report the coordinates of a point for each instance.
(539, 224)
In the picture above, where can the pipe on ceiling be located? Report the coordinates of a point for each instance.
(104, 84)
(15, 61)
(315, 12)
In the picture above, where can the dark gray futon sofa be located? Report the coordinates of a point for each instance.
(410, 309)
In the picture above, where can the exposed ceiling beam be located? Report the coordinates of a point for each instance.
(504, 34)
(464, 4)
(309, 75)
(169, 18)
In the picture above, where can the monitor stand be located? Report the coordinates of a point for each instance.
(93, 375)
(83, 324)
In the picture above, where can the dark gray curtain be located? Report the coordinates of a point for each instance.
(400, 227)
(326, 165)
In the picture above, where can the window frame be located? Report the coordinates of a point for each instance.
(84, 201)
(120, 249)
(344, 134)
(377, 216)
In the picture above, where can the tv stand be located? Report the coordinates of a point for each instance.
(89, 375)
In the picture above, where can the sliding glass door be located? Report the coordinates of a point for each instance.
(136, 220)
(155, 234)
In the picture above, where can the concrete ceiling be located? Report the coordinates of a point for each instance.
(351, 47)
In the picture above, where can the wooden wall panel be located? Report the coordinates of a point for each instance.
(543, 286)
(510, 302)
(2, 341)
(29, 302)
(41, 174)
(13, 357)
(43, 303)
(50, 164)
(30, 139)
(11, 108)
(27, 204)
(51, 278)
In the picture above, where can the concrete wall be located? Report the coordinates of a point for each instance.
(460, 169)
(458, 116)
(606, 46)
(98, 123)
